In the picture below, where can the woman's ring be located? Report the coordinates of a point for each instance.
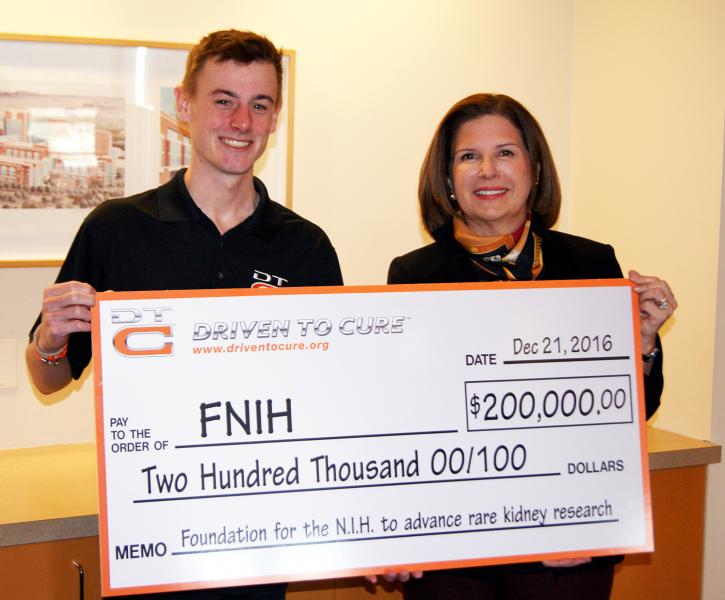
(663, 304)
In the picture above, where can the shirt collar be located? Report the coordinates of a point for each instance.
(176, 205)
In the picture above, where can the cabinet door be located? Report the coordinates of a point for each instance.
(46, 570)
(674, 570)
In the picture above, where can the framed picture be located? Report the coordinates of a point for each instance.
(85, 120)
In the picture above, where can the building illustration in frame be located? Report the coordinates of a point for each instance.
(83, 120)
(60, 151)
(175, 138)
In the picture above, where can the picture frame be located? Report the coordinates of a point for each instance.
(83, 120)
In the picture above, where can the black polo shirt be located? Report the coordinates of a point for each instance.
(161, 240)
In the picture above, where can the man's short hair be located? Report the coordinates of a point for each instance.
(244, 47)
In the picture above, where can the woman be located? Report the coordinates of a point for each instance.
(489, 193)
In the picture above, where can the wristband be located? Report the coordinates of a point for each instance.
(648, 360)
(651, 356)
(49, 358)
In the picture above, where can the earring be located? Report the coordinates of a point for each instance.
(451, 193)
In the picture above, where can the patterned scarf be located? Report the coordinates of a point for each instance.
(514, 256)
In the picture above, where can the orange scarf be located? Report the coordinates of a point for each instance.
(509, 257)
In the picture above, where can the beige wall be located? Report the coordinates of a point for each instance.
(649, 95)
(29, 419)
(714, 578)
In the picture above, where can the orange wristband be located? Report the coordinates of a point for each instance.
(49, 358)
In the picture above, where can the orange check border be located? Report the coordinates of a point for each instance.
(101, 297)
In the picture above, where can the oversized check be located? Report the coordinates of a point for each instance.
(248, 437)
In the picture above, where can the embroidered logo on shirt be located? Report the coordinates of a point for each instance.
(265, 280)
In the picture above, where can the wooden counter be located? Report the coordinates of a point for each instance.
(51, 516)
(669, 450)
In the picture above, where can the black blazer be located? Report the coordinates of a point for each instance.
(565, 257)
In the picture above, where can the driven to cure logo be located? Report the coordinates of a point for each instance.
(145, 333)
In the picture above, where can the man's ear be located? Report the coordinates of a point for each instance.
(182, 104)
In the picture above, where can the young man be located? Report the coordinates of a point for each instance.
(212, 226)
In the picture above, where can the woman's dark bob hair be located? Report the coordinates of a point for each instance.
(434, 189)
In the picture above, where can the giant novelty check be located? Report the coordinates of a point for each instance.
(248, 437)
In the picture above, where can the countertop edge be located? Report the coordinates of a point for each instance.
(48, 530)
(693, 457)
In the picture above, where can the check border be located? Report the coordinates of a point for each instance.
(101, 297)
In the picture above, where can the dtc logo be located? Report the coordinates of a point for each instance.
(265, 280)
(146, 333)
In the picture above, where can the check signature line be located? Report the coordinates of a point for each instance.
(317, 439)
(396, 536)
(344, 487)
